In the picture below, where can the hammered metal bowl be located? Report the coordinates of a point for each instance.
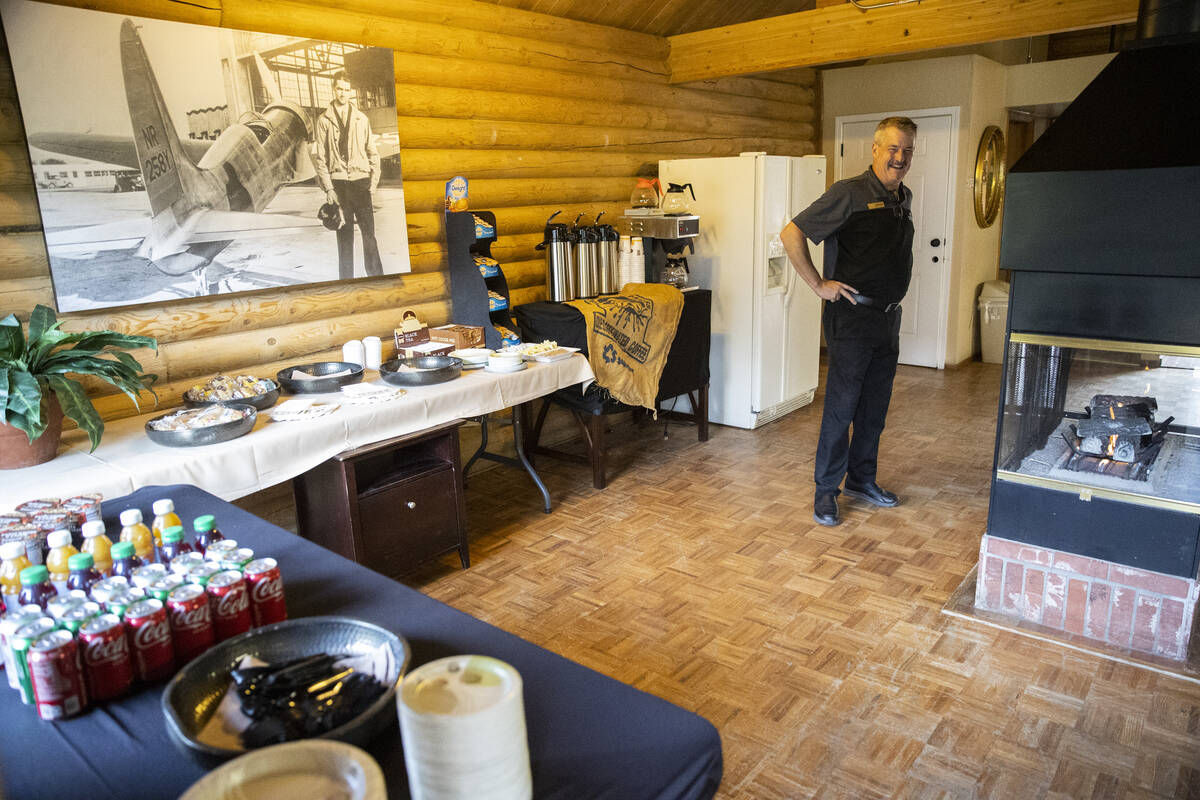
(196, 690)
(319, 385)
(422, 371)
(209, 434)
(260, 401)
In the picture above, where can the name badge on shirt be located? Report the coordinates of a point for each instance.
(873, 206)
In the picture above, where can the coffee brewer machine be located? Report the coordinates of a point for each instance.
(663, 237)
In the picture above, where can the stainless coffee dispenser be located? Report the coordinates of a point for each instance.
(607, 257)
(558, 242)
(587, 243)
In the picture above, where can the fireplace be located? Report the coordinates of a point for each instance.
(1094, 519)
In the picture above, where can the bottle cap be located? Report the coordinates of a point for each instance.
(34, 575)
(122, 550)
(131, 516)
(205, 524)
(11, 550)
(58, 539)
(80, 561)
(164, 506)
(172, 534)
(93, 527)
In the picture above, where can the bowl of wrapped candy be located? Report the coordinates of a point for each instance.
(195, 427)
(308, 678)
(258, 392)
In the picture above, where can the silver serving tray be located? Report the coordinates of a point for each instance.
(431, 369)
(319, 386)
(260, 401)
(196, 690)
(210, 434)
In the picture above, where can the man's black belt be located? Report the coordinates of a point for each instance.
(871, 302)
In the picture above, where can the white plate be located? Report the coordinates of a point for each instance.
(520, 365)
(309, 768)
(557, 354)
(472, 355)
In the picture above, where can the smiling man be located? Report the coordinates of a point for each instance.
(866, 222)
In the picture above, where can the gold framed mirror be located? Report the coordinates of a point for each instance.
(990, 169)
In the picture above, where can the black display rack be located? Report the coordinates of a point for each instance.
(468, 288)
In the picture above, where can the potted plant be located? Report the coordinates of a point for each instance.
(35, 392)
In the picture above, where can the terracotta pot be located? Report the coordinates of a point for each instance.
(17, 452)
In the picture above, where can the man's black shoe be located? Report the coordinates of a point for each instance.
(825, 510)
(872, 494)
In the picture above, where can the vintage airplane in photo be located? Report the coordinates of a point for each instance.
(203, 195)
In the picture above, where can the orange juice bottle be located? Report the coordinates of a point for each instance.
(98, 545)
(60, 553)
(13, 559)
(164, 517)
(136, 533)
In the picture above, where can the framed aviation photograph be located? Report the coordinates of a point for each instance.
(174, 160)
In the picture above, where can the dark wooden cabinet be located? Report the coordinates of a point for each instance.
(390, 505)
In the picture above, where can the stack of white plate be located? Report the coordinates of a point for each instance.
(473, 357)
(505, 362)
(462, 719)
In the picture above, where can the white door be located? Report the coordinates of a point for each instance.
(927, 304)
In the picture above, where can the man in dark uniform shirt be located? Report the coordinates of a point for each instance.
(868, 219)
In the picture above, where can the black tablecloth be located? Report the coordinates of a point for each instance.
(589, 736)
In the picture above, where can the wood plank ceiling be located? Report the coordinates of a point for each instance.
(665, 17)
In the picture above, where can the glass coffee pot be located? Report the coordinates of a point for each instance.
(675, 273)
(645, 194)
(674, 202)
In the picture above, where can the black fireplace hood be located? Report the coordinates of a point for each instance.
(1113, 185)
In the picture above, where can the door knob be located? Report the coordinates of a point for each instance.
(935, 242)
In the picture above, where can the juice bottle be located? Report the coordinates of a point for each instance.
(172, 544)
(61, 550)
(206, 532)
(83, 572)
(164, 517)
(36, 588)
(99, 545)
(12, 560)
(135, 531)
(125, 561)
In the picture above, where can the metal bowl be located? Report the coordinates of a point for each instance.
(260, 401)
(430, 369)
(196, 690)
(210, 434)
(320, 386)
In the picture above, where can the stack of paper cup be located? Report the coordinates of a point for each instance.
(354, 353)
(462, 720)
(373, 349)
(631, 265)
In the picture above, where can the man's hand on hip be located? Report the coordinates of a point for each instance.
(832, 290)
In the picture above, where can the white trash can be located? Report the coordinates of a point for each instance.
(993, 320)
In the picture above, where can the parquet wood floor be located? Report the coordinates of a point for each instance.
(821, 654)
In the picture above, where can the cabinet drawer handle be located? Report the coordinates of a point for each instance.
(411, 504)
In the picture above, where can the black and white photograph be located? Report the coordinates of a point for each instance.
(174, 160)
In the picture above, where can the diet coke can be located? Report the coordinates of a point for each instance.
(230, 600)
(149, 635)
(267, 603)
(191, 621)
(106, 662)
(57, 679)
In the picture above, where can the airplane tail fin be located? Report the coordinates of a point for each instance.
(164, 164)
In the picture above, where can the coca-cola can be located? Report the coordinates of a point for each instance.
(267, 603)
(106, 587)
(191, 621)
(147, 574)
(182, 564)
(149, 634)
(229, 596)
(21, 641)
(106, 662)
(57, 678)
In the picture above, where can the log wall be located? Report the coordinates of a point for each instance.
(539, 113)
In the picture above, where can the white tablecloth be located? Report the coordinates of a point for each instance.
(274, 451)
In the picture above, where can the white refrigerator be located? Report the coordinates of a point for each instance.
(765, 321)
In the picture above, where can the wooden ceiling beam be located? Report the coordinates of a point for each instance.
(845, 33)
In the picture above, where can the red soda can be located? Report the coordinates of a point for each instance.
(191, 621)
(149, 634)
(58, 687)
(106, 662)
(230, 600)
(267, 603)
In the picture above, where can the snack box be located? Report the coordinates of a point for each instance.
(425, 349)
(496, 301)
(409, 338)
(488, 267)
(483, 230)
(459, 336)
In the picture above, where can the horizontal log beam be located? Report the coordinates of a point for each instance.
(843, 33)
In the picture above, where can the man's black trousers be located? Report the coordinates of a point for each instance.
(355, 199)
(862, 346)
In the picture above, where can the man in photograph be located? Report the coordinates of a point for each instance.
(347, 166)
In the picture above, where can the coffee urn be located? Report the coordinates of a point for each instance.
(558, 242)
(607, 257)
(586, 244)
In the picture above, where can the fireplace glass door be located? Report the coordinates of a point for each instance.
(1111, 419)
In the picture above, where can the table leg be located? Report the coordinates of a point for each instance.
(520, 421)
(483, 442)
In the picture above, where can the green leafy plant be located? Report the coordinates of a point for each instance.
(31, 365)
